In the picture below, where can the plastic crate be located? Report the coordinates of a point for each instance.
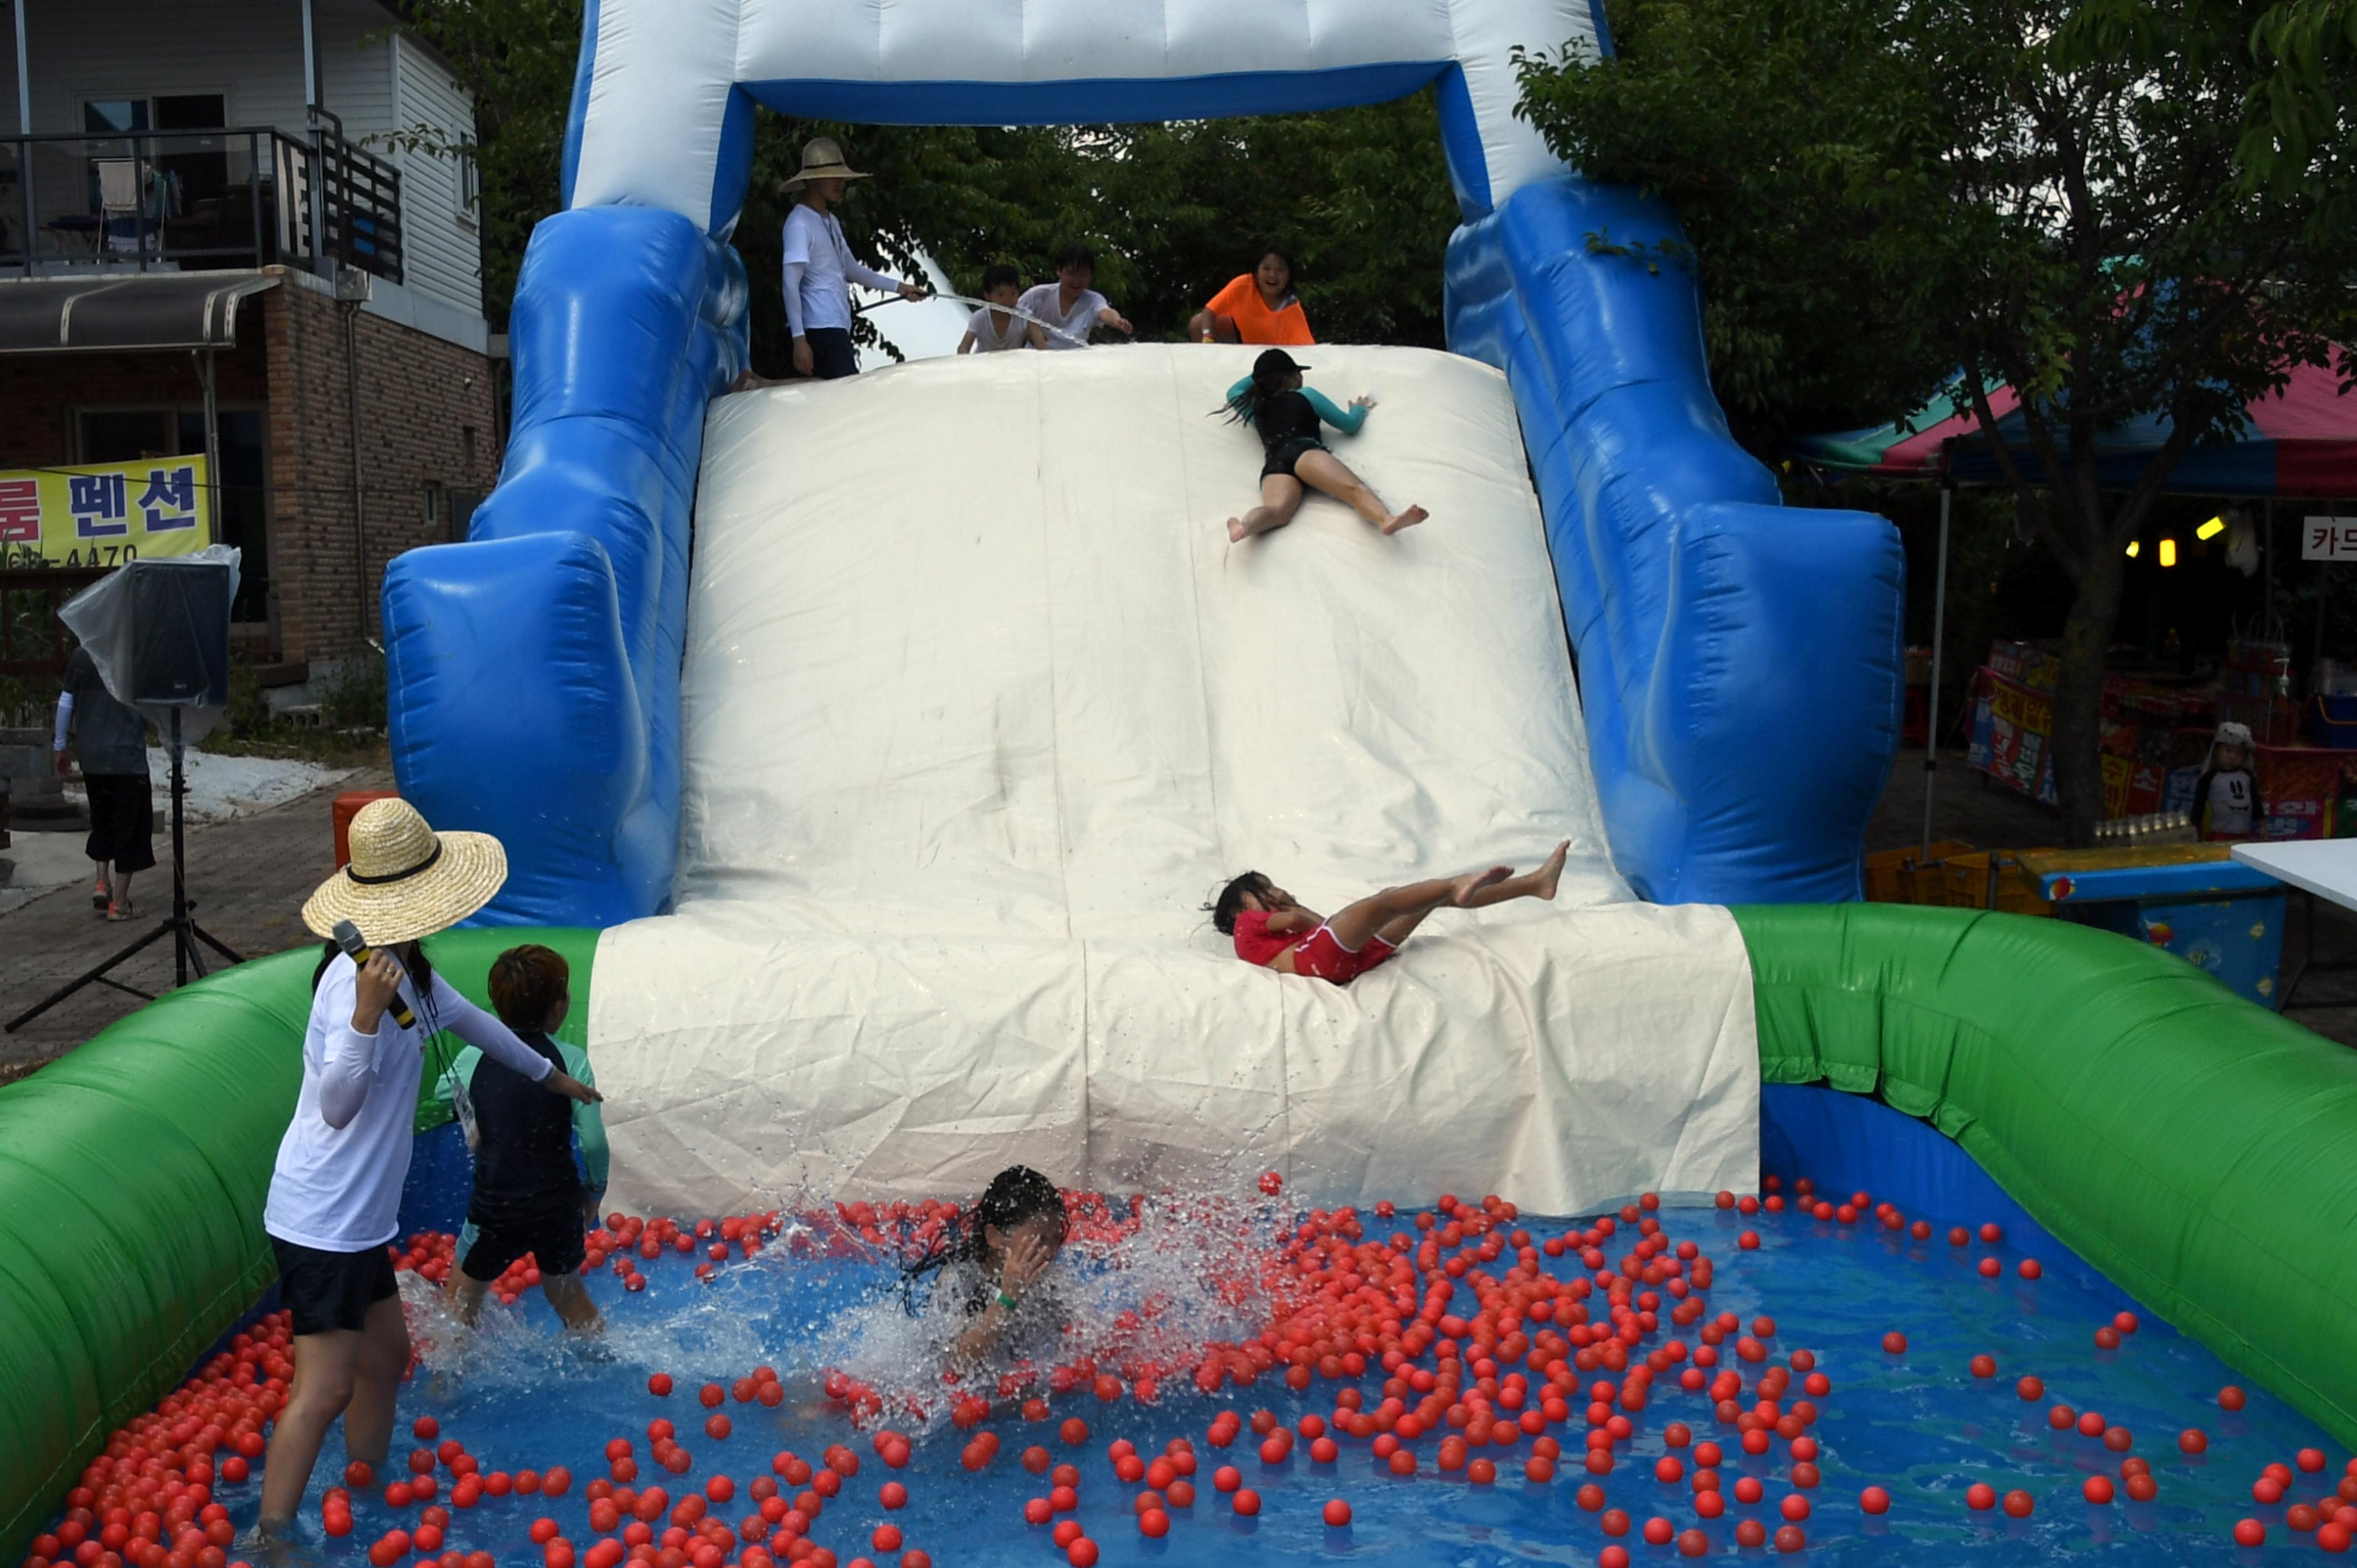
(1967, 883)
(1902, 876)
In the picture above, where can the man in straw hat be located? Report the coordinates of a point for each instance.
(335, 1195)
(821, 269)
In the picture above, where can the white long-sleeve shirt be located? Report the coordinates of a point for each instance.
(820, 271)
(337, 1187)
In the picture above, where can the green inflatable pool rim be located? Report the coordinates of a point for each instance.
(2198, 1150)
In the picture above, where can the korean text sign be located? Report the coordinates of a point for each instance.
(103, 514)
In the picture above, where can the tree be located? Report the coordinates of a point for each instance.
(1360, 195)
(2120, 208)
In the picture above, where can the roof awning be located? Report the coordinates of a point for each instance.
(124, 312)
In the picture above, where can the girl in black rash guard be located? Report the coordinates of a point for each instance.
(1289, 418)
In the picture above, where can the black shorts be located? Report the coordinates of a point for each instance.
(832, 355)
(552, 1235)
(1286, 454)
(122, 815)
(331, 1290)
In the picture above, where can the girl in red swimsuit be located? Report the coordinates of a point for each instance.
(1272, 930)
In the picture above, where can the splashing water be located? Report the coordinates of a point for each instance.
(1466, 1385)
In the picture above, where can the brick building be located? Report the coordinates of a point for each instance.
(237, 190)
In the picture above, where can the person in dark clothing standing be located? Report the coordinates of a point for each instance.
(529, 1195)
(113, 740)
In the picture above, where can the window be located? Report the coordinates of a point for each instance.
(469, 182)
(167, 174)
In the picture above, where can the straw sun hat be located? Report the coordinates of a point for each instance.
(822, 159)
(407, 881)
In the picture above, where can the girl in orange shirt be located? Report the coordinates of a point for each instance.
(1257, 307)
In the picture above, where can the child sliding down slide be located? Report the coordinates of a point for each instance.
(1287, 416)
(1274, 933)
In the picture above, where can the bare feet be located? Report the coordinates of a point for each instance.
(1462, 889)
(1260, 520)
(1550, 872)
(1407, 518)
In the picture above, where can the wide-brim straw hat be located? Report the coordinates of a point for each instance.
(822, 159)
(407, 881)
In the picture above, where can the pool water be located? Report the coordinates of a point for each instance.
(1917, 1423)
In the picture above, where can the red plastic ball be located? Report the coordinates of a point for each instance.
(2192, 1440)
(1894, 1343)
(1247, 1502)
(2030, 1269)
(1792, 1538)
(1980, 1497)
(1874, 1500)
(2231, 1398)
(1082, 1553)
(2250, 1531)
(1991, 1268)
(2098, 1489)
(1338, 1513)
(2030, 1389)
(2020, 1505)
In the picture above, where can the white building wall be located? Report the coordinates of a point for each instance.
(444, 255)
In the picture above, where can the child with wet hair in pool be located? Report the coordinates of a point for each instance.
(993, 1271)
(1275, 932)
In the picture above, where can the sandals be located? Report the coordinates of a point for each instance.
(116, 913)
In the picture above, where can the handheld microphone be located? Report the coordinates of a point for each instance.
(356, 948)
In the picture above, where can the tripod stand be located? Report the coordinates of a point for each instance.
(181, 925)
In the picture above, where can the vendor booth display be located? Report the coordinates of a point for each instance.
(2221, 916)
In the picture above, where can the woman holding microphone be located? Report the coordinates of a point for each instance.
(335, 1195)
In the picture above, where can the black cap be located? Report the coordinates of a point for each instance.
(1274, 362)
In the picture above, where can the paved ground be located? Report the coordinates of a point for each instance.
(248, 876)
(1988, 816)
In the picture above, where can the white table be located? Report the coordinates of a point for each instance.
(2320, 868)
(2325, 868)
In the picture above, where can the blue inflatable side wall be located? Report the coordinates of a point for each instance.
(533, 671)
(1739, 661)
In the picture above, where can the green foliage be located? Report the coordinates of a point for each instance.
(517, 57)
(1361, 196)
(353, 695)
(2063, 196)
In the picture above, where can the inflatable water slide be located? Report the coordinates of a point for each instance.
(872, 747)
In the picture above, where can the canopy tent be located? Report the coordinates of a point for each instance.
(2301, 441)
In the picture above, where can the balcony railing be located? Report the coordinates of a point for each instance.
(190, 200)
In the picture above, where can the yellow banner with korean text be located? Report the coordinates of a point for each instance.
(102, 514)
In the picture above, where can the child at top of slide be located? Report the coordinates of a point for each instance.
(1272, 930)
(1257, 307)
(529, 1196)
(995, 328)
(1070, 306)
(1287, 416)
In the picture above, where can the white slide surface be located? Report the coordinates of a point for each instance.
(982, 705)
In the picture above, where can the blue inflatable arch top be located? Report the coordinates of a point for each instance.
(1739, 661)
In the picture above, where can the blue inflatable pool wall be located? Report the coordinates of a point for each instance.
(1739, 661)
